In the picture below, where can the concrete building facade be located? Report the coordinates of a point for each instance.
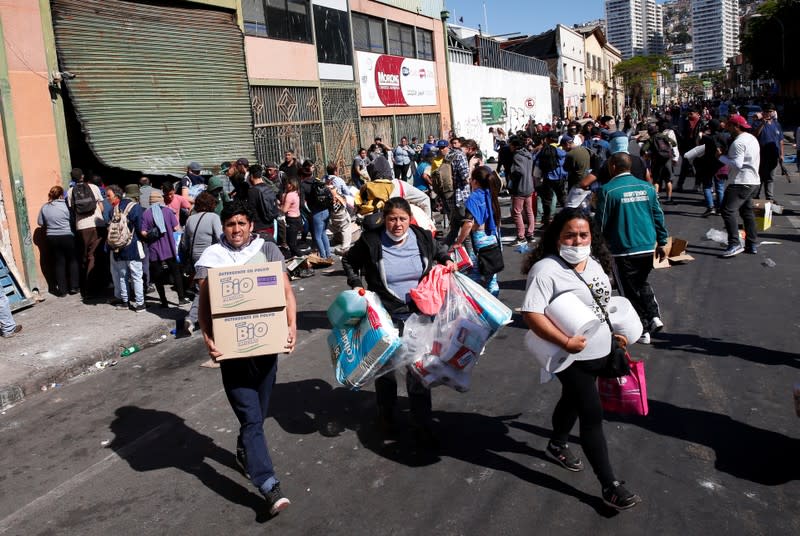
(716, 33)
(635, 27)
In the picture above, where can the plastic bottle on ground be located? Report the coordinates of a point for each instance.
(129, 350)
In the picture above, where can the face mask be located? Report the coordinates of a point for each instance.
(574, 254)
(397, 239)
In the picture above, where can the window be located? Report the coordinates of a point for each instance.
(424, 44)
(401, 40)
(332, 32)
(278, 19)
(574, 74)
(368, 34)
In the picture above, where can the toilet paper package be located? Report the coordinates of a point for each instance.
(571, 316)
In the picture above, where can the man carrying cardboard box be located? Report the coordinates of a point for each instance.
(630, 217)
(248, 381)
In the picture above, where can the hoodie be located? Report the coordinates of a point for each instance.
(521, 183)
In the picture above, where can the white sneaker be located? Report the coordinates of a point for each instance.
(645, 338)
(656, 324)
(188, 325)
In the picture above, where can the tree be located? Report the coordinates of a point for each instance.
(765, 42)
(640, 75)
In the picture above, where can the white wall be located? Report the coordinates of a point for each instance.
(468, 83)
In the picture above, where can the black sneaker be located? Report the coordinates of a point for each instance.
(139, 308)
(184, 301)
(618, 497)
(121, 305)
(241, 461)
(520, 240)
(709, 212)
(276, 500)
(530, 238)
(564, 456)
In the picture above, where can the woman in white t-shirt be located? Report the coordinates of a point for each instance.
(572, 257)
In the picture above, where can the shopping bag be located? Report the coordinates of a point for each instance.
(430, 294)
(358, 352)
(461, 259)
(626, 395)
(492, 310)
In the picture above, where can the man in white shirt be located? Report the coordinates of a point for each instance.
(743, 160)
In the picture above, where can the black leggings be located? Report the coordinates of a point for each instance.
(293, 228)
(160, 272)
(580, 400)
(65, 263)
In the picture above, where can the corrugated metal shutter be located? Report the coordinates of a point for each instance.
(156, 86)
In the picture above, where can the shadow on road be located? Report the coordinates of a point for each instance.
(743, 451)
(314, 406)
(151, 440)
(311, 320)
(709, 346)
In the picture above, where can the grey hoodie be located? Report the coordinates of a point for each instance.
(521, 184)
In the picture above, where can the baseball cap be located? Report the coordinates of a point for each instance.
(739, 121)
(567, 139)
(243, 162)
(195, 166)
(442, 143)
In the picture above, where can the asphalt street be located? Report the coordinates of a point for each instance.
(146, 447)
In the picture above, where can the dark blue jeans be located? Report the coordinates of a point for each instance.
(248, 385)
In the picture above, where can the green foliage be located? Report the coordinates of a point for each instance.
(765, 41)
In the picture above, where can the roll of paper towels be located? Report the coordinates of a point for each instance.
(550, 356)
(597, 345)
(624, 318)
(572, 316)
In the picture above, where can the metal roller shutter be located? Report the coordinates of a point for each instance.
(156, 86)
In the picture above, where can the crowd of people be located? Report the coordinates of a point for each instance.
(585, 199)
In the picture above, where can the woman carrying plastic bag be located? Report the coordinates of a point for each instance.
(392, 260)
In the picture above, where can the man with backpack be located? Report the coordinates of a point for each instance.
(521, 188)
(192, 183)
(658, 151)
(549, 162)
(318, 199)
(263, 202)
(124, 226)
(86, 204)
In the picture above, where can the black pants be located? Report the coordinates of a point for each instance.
(419, 396)
(400, 171)
(160, 272)
(547, 190)
(738, 198)
(65, 263)
(293, 228)
(581, 401)
(631, 273)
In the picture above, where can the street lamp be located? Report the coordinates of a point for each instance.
(783, 38)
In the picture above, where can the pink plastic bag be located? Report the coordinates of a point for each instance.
(432, 290)
(626, 395)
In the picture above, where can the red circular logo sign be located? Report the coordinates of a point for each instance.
(530, 103)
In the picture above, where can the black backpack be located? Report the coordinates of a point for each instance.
(83, 200)
(268, 203)
(597, 154)
(661, 148)
(321, 195)
(547, 159)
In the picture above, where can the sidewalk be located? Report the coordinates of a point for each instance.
(63, 337)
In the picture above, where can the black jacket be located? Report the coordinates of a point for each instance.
(365, 258)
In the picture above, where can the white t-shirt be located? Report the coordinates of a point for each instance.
(88, 221)
(551, 277)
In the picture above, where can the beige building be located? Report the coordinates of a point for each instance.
(604, 92)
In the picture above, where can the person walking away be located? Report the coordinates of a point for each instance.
(481, 225)
(578, 162)
(769, 133)
(572, 258)
(630, 217)
(693, 126)
(403, 155)
(392, 259)
(203, 229)
(124, 224)
(658, 151)
(707, 166)
(318, 200)
(86, 203)
(340, 211)
(158, 224)
(743, 160)
(54, 217)
(521, 188)
(248, 382)
(550, 164)
(263, 203)
(290, 207)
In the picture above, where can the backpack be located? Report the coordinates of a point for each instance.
(267, 203)
(442, 179)
(661, 148)
(83, 200)
(119, 232)
(547, 159)
(597, 154)
(321, 195)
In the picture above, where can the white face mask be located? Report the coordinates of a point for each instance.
(396, 239)
(574, 254)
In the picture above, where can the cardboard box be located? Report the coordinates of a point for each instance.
(763, 213)
(247, 335)
(246, 288)
(676, 253)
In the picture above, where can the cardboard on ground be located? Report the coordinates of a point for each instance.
(762, 210)
(676, 253)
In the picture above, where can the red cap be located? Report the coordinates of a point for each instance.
(739, 121)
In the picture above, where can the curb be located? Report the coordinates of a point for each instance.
(17, 392)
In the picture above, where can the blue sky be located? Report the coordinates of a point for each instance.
(528, 17)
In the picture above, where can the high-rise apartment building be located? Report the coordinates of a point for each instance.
(635, 27)
(716, 33)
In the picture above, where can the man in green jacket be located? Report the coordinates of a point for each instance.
(630, 217)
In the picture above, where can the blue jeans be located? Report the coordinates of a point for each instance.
(717, 185)
(320, 222)
(120, 270)
(248, 385)
(7, 323)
